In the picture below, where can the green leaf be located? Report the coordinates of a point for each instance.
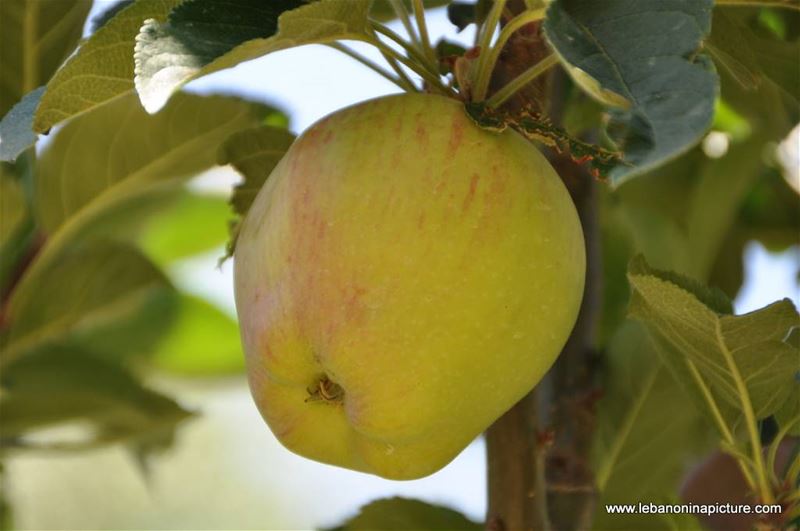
(203, 342)
(36, 38)
(6, 513)
(195, 223)
(67, 385)
(105, 297)
(12, 206)
(108, 169)
(770, 212)
(402, 514)
(739, 46)
(16, 127)
(638, 429)
(735, 363)
(752, 58)
(731, 51)
(120, 150)
(203, 36)
(641, 55)
(18, 237)
(101, 70)
(254, 153)
(681, 213)
(788, 413)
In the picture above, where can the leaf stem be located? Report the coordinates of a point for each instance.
(402, 13)
(410, 50)
(404, 84)
(502, 95)
(485, 71)
(425, 41)
(392, 61)
(788, 4)
(485, 36)
(727, 435)
(416, 67)
(752, 427)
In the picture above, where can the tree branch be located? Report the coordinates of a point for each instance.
(539, 474)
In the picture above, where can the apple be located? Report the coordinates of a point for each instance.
(402, 279)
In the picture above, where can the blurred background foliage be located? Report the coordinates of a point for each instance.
(103, 346)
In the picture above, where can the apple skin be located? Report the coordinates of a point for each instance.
(402, 279)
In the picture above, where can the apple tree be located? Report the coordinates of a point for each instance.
(654, 384)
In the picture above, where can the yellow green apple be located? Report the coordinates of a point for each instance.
(402, 279)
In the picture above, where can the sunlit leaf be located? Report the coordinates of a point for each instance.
(66, 386)
(36, 38)
(203, 36)
(203, 342)
(103, 67)
(645, 54)
(402, 514)
(106, 297)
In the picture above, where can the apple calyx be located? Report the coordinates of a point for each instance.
(325, 390)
